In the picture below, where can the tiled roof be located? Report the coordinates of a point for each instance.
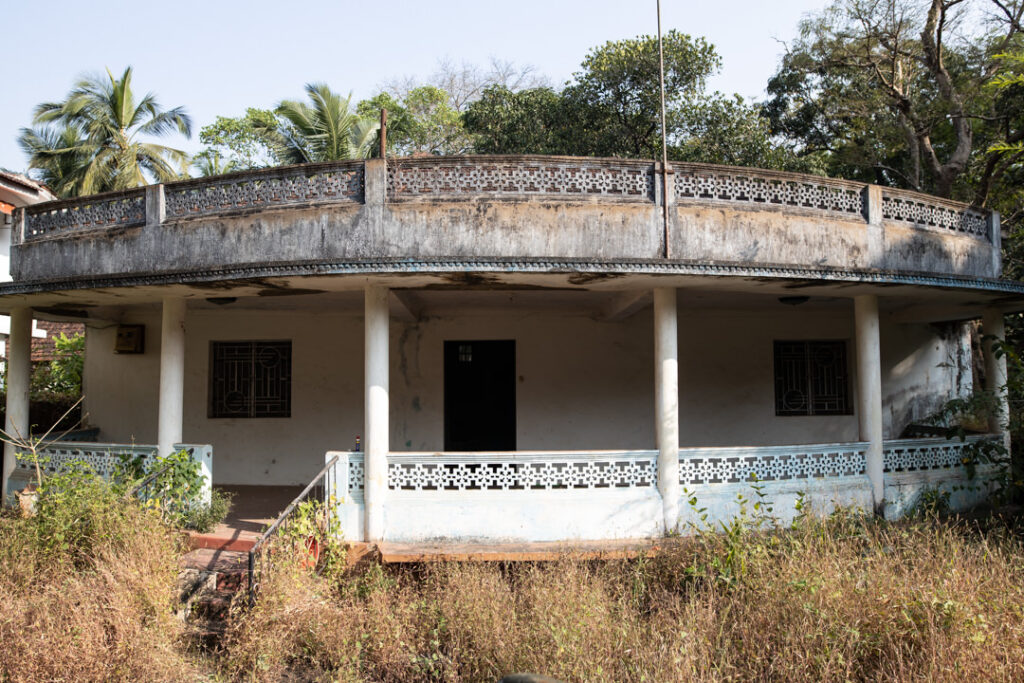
(44, 349)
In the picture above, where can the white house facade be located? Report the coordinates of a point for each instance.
(523, 348)
(16, 191)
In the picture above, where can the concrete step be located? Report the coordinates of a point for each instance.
(219, 561)
(213, 606)
(234, 542)
(207, 635)
(394, 553)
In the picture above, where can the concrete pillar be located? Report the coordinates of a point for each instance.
(19, 373)
(172, 374)
(376, 410)
(869, 392)
(993, 325)
(666, 401)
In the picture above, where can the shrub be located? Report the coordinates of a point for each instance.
(175, 491)
(87, 589)
(204, 517)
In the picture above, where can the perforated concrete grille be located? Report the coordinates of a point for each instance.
(572, 179)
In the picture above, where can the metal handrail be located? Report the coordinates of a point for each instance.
(148, 479)
(274, 529)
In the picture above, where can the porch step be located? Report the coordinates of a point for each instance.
(391, 553)
(216, 561)
(209, 581)
(238, 541)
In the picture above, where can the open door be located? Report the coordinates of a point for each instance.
(480, 395)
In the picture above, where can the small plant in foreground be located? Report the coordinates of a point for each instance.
(932, 502)
(175, 491)
(314, 533)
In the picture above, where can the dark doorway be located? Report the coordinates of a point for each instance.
(480, 395)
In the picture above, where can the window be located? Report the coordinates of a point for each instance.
(811, 378)
(250, 379)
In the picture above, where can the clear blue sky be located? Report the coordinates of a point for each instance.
(218, 57)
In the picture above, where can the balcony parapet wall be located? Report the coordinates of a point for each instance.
(503, 207)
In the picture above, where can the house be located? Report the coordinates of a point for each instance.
(527, 347)
(16, 190)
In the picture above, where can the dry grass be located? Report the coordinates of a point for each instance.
(836, 600)
(88, 595)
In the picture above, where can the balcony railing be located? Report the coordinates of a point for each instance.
(494, 178)
(529, 471)
(103, 458)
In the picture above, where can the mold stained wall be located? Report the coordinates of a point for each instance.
(581, 383)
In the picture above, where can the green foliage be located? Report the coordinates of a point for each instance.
(616, 93)
(313, 532)
(325, 129)
(894, 93)
(932, 503)
(63, 374)
(57, 155)
(724, 130)
(175, 492)
(525, 122)
(237, 144)
(612, 108)
(210, 163)
(203, 517)
(421, 122)
(76, 511)
(93, 140)
(1008, 84)
(737, 540)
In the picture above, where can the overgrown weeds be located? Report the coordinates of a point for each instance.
(87, 593)
(843, 598)
(87, 589)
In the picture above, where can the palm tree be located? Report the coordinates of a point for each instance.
(58, 157)
(209, 162)
(101, 126)
(327, 129)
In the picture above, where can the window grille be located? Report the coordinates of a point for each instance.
(250, 379)
(811, 378)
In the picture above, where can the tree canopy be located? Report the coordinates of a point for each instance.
(422, 121)
(327, 128)
(237, 143)
(895, 92)
(95, 140)
(612, 108)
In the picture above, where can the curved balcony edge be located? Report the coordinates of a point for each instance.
(492, 209)
(493, 178)
(246, 274)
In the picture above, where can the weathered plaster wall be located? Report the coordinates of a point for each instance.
(581, 383)
(923, 366)
(791, 237)
(496, 230)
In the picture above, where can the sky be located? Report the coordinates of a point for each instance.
(219, 57)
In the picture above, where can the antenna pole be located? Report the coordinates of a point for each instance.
(664, 137)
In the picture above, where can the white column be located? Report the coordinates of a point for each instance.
(172, 374)
(376, 409)
(869, 392)
(666, 401)
(993, 325)
(19, 373)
